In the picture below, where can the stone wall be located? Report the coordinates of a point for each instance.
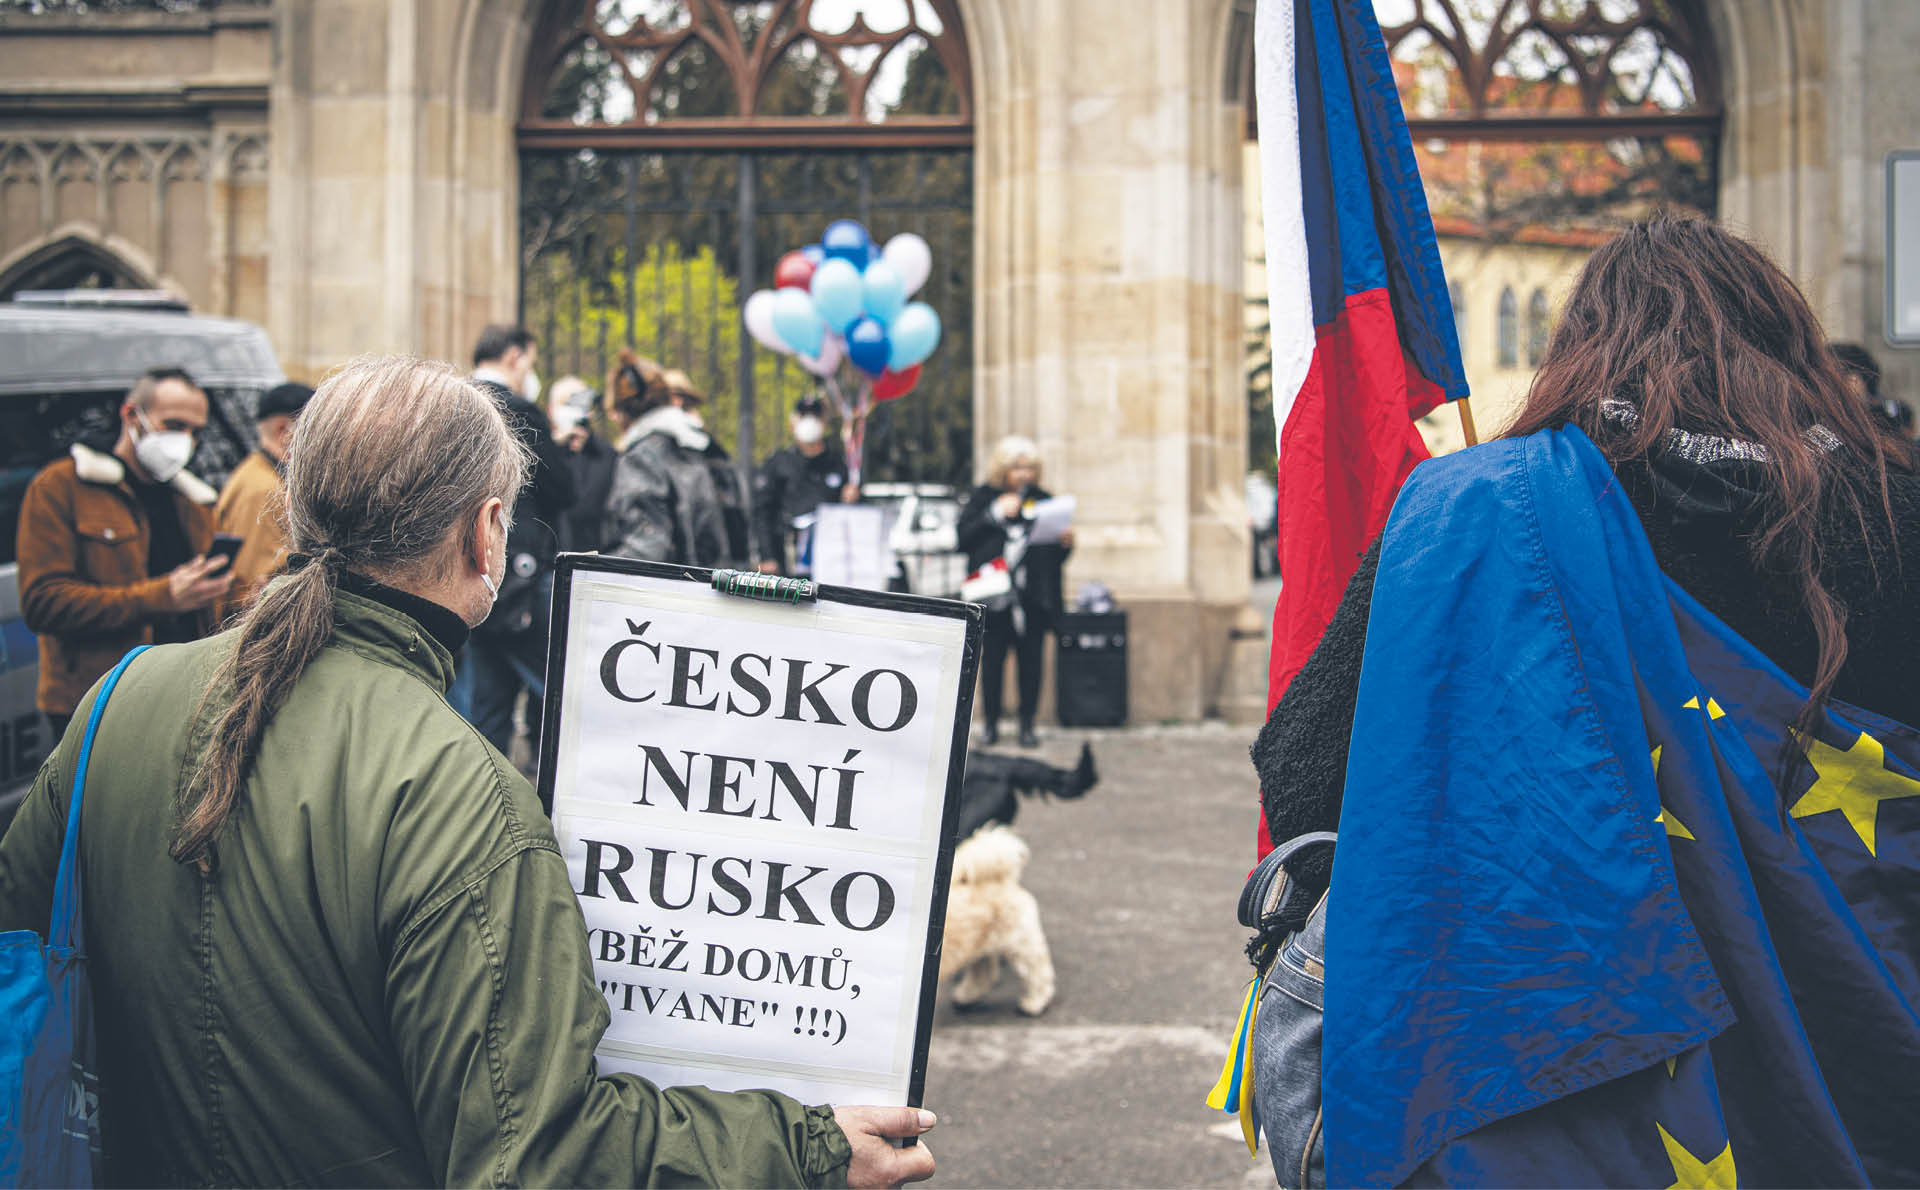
(1109, 300)
(394, 196)
(142, 137)
(1818, 92)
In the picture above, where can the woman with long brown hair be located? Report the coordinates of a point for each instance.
(332, 937)
(1766, 491)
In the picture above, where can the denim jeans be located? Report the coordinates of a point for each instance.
(1286, 1055)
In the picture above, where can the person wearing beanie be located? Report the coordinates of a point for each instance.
(248, 505)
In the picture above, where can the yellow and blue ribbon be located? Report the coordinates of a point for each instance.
(1234, 1091)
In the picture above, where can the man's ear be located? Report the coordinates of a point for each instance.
(483, 534)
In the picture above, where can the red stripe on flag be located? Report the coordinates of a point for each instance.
(1348, 444)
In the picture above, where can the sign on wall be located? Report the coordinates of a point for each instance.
(755, 801)
(1903, 249)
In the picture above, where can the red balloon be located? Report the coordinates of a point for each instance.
(794, 271)
(893, 384)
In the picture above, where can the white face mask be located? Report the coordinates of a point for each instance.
(531, 386)
(808, 430)
(162, 454)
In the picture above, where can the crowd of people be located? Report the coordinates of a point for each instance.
(393, 541)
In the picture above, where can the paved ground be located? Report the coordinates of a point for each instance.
(1136, 884)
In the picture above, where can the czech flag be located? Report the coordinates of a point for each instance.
(1362, 325)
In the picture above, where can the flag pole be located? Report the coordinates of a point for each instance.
(1466, 421)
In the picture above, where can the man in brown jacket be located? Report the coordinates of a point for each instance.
(249, 504)
(112, 547)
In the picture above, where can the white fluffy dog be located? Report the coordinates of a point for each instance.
(990, 917)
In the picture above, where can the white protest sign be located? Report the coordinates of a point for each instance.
(852, 546)
(751, 799)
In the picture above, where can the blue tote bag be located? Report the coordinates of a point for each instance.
(49, 1082)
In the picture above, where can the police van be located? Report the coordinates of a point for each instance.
(70, 357)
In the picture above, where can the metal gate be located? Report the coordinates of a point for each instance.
(658, 251)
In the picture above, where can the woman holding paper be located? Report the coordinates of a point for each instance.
(1014, 573)
(332, 938)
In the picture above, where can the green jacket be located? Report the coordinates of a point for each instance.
(386, 979)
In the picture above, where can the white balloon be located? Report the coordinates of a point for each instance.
(832, 351)
(758, 315)
(911, 258)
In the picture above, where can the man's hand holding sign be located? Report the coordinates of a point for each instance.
(754, 804)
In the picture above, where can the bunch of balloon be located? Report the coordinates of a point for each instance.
(843, 301)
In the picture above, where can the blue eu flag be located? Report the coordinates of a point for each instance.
(1592, 922)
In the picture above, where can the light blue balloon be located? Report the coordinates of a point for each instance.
(914, 333)
(814, 253)
(797, 322)
(836, 293)
(883, 292)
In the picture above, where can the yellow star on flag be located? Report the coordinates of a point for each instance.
(1692, 1173)
(1853, 782)
(1665, 816)
(1674, 827)
(1714, 710)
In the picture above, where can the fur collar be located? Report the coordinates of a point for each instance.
(107, 470)
(670, 420)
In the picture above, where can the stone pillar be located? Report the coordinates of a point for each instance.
(1817, 94)
(1110, 311)
(394, 182)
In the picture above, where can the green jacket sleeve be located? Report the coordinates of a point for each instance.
(495, 1017)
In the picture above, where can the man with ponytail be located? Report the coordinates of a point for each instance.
(332, 936)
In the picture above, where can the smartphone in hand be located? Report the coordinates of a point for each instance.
(225, 545)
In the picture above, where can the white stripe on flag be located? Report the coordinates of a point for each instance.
(1290, 299)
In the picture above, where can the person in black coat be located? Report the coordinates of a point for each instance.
(508, 651)
(992, 531)
(590, 460)
(1764, 503)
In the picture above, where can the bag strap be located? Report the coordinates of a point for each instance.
(1266, 884)
(66, 887)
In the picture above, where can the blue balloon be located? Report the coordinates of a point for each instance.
(848, 241)
(883, 293)
(836, 293)
(874, 252)
(867, 346)
(797, 322)
(914, 334)
(814, 253)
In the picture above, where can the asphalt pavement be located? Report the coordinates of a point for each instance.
(1137, 884)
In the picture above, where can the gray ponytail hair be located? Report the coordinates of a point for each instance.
(389, 457)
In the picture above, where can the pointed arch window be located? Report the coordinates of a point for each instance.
(71, 263)
(1536, 327)
(1509, 329)
(749, 74)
